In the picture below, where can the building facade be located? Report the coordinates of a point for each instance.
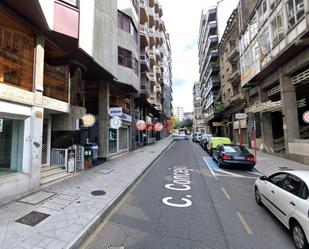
(232, 94)
(60, 60)
(199, 124)
(155, 101)
(179, 113)
(209, 69)
(274, 59)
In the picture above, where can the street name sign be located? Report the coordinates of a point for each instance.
(241, 115)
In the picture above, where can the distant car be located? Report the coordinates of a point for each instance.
(205, 140)
(215, 141)
(198, 137)
(286, 194)
(195, 135)
(233, 155)
(181, 135)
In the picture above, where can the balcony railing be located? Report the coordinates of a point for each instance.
(233, 55)
(144, 58)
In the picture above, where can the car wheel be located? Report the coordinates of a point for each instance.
(299, 236)
(258, 198)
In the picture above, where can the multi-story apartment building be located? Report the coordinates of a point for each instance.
(232, 94)
(198, 119)
(209, 68)
(155, 70)
(179, 113)
(58, 61)
(274, 59)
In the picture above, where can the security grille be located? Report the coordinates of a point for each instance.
(301, 78)
(44, 143)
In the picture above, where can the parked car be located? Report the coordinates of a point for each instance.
(286, 194)
(233, 155)
(204, 140)
(195, 136)
(215, 141)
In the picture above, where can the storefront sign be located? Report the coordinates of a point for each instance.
(242, 123)
(39, 114)
(141, 125)
(1, 125)
(88, 120)
(126, 117)
(216, 124)
(241, 115)
(306, 117)
(115, 111)
(115, 123)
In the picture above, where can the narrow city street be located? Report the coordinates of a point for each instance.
(185, 201)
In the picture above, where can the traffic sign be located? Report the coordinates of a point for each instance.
(115, 123)
(241, 115)
(306, 117)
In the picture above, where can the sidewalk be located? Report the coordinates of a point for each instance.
(71, 212)
(268, 164)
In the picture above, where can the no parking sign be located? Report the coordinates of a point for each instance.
(306, 117)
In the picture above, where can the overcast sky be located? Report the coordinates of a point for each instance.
(182, 20)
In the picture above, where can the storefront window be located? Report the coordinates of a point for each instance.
(56, 82)
(16, 58)
(113, 136)
(11, 145)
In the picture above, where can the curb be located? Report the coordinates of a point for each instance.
(90, 228)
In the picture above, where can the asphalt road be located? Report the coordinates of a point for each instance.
(185, 202)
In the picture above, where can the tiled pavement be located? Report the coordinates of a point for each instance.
(71, 207)
(268, 164)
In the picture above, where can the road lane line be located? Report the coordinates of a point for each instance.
(225, 193)
(212, 172)
(244, 223)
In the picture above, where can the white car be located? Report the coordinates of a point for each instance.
(286, 194)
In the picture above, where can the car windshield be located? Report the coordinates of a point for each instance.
(234, 148)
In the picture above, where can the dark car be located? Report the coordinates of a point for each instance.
(234, 155)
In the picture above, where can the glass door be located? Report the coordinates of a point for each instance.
(113, 138)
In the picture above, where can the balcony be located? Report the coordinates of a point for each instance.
(151, 15)
(158, 71)
(152, 99)
(236, 98)
(157, 88)
(233, 56)
(152, 77)
(218, 106)
(160, 10)
(158, 36)
(157, 20)
(212, 84)
(145, 88)
(152, 39)
(144, 61)
(152, 56)
(234, 78)
(144, 36)
(143, 11)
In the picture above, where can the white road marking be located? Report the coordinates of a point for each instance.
(212, 172)
(244, 223)
(225, 193)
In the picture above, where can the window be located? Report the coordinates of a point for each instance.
(16, 58)
(234, 148)
(295, 11)
(127, 59)
(277, 28)
(262, 12)
(11, 145)
(264, 42)
(278, 179)
(124, 57)
(125, 23)
(292, 185)
(273, 4)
